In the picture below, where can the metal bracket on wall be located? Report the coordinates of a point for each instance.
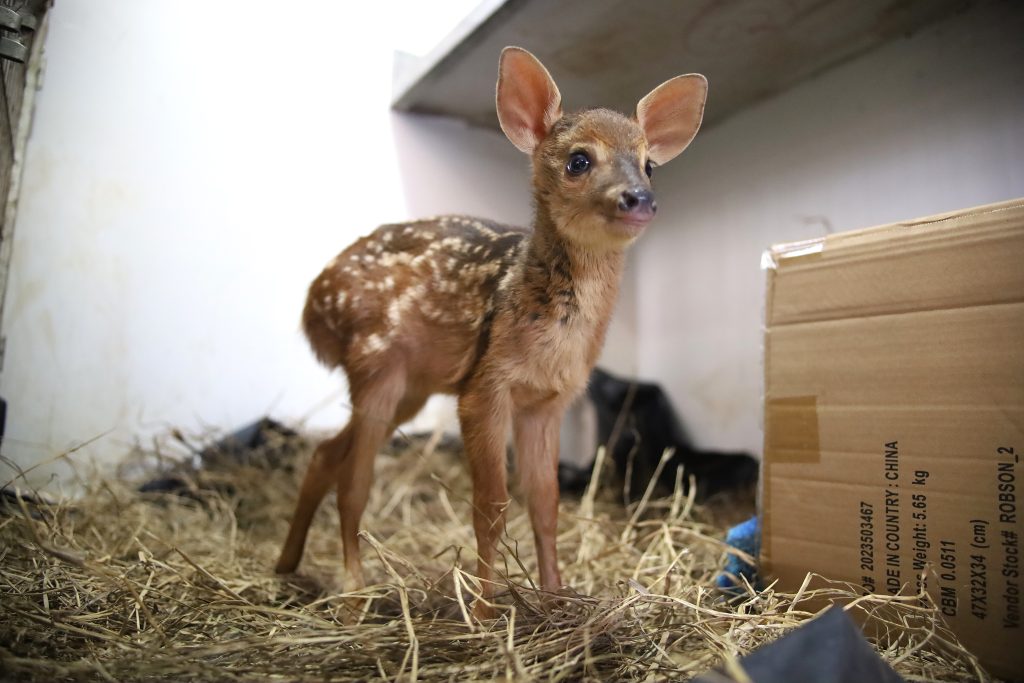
(21, 29)
(14, 22)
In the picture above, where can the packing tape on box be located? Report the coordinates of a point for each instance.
(791, 430)
(791, 252)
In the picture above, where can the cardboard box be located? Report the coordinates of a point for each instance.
(894, 417)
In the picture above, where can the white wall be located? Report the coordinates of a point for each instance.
(926, 124)
(188, 173)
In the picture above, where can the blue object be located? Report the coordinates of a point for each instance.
(745, 537)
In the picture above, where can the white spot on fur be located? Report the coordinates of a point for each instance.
(429, 310)
(389, 259)
(402, 304)
(374, 344)
(340, 298)
(481, 271)
(485, 231)
(506, 280)
(395, 313)
(455, 244)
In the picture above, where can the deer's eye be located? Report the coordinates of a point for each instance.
(648, 169)
(578, 163)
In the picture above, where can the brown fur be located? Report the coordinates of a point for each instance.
(508, 319)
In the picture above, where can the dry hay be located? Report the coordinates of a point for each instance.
(122, 585)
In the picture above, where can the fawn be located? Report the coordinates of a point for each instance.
(510, 320)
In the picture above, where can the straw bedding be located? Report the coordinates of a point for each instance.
(122, 585)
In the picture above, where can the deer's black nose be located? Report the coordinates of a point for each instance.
(640, 201)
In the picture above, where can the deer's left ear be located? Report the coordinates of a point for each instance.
(527, 98)
(671, 114)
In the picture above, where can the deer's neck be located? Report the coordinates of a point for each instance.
(567, 282)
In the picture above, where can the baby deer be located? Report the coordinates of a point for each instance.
(510, 320)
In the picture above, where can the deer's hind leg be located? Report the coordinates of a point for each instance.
(377, 411)
(322, 470)
(346, 460)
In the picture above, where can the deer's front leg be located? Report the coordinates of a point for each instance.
(484, 417)
(536, 437)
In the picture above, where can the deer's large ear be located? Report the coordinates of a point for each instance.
(527, 98)
(671, 114)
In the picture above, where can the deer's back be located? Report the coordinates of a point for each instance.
(420, 289)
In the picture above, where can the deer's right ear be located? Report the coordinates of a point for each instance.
(671, 114)
(527, 98)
